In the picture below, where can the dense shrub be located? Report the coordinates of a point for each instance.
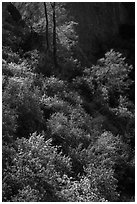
(81, 191)
(37, 166)
(68, 133)
(109, 77)
(25, 103)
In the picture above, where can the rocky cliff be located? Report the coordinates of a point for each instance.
(15, 32)
(100, 25)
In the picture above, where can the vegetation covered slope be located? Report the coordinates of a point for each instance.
(68, 129)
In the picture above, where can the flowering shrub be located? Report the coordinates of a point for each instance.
(80, 191)
(68, 134)
(37, 166)
(25, 103)
(109, 76)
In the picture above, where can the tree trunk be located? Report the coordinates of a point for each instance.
(47, 26)
(54, 34)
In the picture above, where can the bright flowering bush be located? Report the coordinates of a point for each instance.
(99, 161)
(72, 128)
(80, 191)
(39, 173)
(56, 143)
(27, 194)
(109, 77)
(113, 71)
(37, 166)
(24, 101)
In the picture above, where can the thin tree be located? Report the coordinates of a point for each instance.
(47, 27)
(53, 5)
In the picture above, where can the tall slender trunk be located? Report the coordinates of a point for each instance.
(47, 27)
(54, 34)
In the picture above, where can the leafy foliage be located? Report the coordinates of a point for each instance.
(68, 133)
(36, 166)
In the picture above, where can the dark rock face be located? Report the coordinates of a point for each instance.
(10, 13)
(100, 27)
(99, 24)
(14, 29)
(14, 12)
(15, 32)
